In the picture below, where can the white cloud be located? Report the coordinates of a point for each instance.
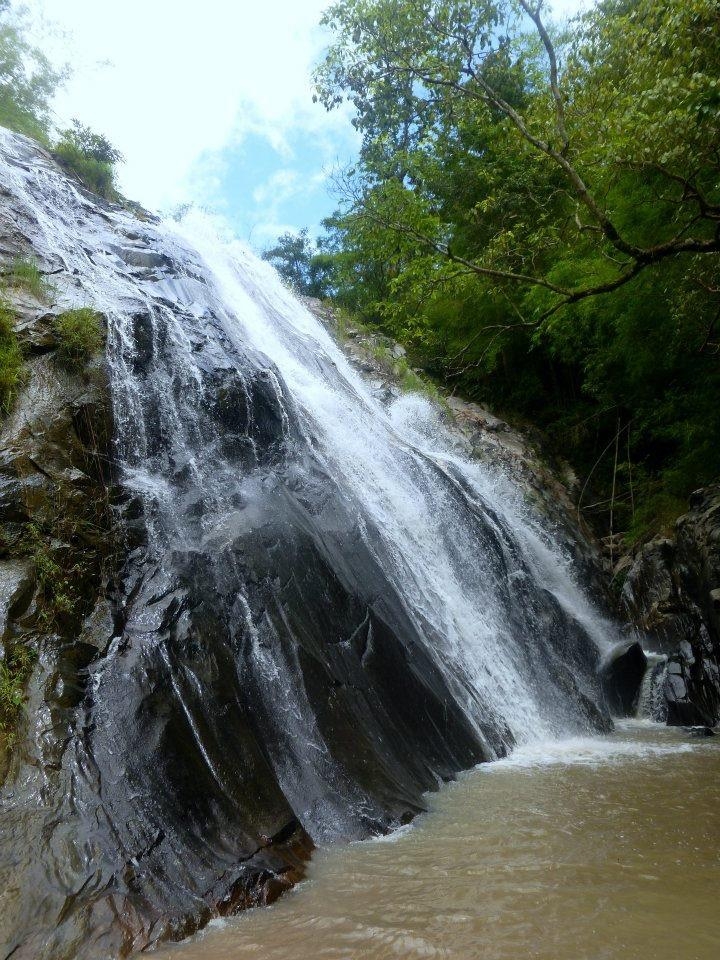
(264, 233)
(278, 187)
(186, 78)
(174, 81)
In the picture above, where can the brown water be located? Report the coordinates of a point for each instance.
(593, 849)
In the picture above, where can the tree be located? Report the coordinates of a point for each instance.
(93, 146)
(535, 211)
(299, 262)
(27, 79)
(427, 76)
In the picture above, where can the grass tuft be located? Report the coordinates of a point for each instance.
(80, 334)
(25, 274)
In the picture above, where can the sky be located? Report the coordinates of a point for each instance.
(210, 103)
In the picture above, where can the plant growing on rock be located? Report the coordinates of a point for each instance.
(91, 157)
(60, 571)
(80, 334)
(15, 671)
(25, 274)
(12, 361)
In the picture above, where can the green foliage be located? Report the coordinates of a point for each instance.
(61, 583)
(23, 274)
(299, 262)
(12, 362)
(469, 231)
(96, 175)
(91, 157)
(28, 83)
(395, 367)
(15, 672)
(80, 334)
(93, 146)
(27, 79)
(655, 515)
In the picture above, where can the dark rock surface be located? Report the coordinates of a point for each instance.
(671, 593)
(622, 674)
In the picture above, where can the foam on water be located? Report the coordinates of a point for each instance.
(639, 742)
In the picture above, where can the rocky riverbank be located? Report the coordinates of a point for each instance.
(671, 593)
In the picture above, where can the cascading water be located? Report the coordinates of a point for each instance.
(651, 704)
(327, 611)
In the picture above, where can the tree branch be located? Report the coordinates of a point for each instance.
(534, 15)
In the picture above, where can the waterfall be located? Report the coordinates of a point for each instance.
(651, 704)
(331, 609)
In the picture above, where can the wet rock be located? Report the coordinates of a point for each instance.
(552, 487)
(622, 675)
(17, 584)
(34, 326)
(671, 592)
(701, 731)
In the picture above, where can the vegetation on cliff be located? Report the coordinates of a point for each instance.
(15, 671)
(11, 358)
(50, 546)
(21, 274)
(80, 334)
(28, 80)
(535, 212)
(91, 157)
(28, 83)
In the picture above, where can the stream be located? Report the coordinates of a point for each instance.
(586, 849)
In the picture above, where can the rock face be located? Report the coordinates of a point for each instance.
(249, 595)
(622, 676)
(56, 544)
(71, 564)
(672, 591)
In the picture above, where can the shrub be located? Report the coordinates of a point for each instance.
(14, 673)
(96, 175)
(91, 157)
(80, 334)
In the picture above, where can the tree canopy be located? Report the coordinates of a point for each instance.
(536, 210)
(299, 262)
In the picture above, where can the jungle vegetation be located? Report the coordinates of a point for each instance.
(535, 214)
